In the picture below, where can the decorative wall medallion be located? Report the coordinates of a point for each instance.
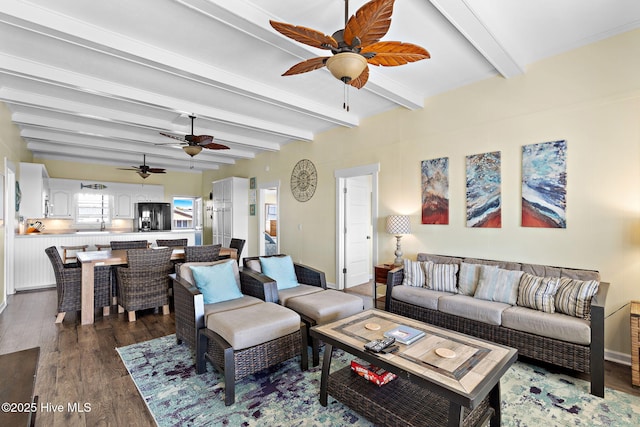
(304, 180)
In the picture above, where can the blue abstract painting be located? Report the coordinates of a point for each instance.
(484, 196)
(544, 185)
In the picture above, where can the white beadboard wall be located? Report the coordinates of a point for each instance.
(33, 269)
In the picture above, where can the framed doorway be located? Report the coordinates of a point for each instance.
(268, 212)
(356, 214)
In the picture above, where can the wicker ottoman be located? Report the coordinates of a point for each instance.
(324, 307)
(246, 340)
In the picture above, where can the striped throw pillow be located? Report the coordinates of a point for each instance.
(538, 292)
(441, 277)
(498, 284)
(413, 274)
(468, 278)
(574, 297)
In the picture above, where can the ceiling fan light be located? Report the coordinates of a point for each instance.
(192, 150)
(346, 66)
(144, 175)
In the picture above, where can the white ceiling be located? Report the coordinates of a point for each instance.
(96, 81)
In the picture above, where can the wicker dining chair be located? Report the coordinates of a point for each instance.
(144, 282)
(69, 285)
(172, 242)
(237, 244)
(129, 244)
(204, 253)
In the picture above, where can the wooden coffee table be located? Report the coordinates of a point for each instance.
(430, 389)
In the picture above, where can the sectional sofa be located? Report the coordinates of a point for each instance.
(551, 314)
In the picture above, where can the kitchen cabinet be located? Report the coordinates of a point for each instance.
(230, 210)
(35, 190)
(123, 206)
(61, 193)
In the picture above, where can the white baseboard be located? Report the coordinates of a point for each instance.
(617, 357)
(3, 306)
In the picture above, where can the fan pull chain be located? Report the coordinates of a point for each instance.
(345, 104)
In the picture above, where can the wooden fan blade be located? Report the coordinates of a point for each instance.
(361, 80)
(215, 146)
(370, 23)
(391, 54)
(156, 170)
(202, 139)
(172, 136)
(305, 35)
(132, 168)
(306, 66)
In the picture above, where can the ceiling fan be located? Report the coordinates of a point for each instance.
(143, 170)
(195, 143)
(355, 46)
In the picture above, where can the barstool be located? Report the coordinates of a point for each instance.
(66, 257)
(101, 247)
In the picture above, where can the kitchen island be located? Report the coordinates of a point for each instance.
(33, 269)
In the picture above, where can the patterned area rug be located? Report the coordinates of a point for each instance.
(284, 396)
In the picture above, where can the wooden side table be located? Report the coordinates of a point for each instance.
(635, 343)
(380, 279)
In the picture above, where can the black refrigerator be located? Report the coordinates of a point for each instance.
(150, 216)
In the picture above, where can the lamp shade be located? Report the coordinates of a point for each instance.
(346, 66)
(192, 150)
(398, 224)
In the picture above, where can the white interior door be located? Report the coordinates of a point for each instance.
(358, 230)
(9, 226)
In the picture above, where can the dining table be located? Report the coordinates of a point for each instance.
(90, 259)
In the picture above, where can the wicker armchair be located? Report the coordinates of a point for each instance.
(129, 244)
(207, 345)
(172, 242)
(144, 283)
(203, 253)
(69, 285)
(311, 299)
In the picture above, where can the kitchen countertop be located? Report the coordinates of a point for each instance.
(97, 232)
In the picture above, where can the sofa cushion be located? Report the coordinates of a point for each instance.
(439, 259)
(489, 312)
(422, 297)
(216, 282)
(538, 292)
(551, 325)
(468, 278)
(296, 291)
(326, 306)
(498, 284)
(441, 277)
(249, 326)
(574, 297)
(507, 265)
(413, 273)
(281, 270)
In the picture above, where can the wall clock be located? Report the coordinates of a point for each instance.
(304, 180)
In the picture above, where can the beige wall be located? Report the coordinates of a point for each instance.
(589, 96)
(12, 147)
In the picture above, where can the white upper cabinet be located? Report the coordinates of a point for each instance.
(34, 189)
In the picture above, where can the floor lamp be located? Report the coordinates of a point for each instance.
(398, 225)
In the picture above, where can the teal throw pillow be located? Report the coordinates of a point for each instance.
(281, 270)
(216, 282)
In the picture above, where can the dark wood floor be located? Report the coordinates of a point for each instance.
(80, 363)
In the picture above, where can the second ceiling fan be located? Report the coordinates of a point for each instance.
(193, 144)
(355, 46)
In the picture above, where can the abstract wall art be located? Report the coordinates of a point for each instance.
(435, 191)
(544, 185)
(484, 196)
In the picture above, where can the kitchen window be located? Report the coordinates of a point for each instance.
(93, 209)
